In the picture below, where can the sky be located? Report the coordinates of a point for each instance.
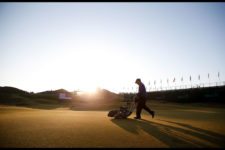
(81, 46)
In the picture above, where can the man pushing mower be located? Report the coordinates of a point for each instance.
(139, 101)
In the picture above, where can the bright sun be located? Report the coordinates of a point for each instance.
(90, 90)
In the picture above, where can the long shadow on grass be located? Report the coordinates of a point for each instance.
(171, 135)
(213, 137)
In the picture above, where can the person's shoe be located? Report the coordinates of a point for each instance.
(153, 114)
(137, 117)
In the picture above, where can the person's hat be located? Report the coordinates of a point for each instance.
(138, 80)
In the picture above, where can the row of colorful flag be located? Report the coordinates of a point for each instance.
(173, 80)
(182, 79)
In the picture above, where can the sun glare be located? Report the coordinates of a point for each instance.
(89, 91)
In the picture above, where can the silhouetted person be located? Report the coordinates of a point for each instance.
(140, 100)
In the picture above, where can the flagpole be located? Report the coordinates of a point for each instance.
(191, 82)
(168, 83)
(174, 80)
(209, 79)
(155, 84)
(161, 83)
(175, 83)
(181, 82)
(219, 76)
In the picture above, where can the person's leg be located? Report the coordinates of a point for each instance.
(149, 110)
(138, 111)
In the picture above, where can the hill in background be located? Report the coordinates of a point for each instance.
(50, 99)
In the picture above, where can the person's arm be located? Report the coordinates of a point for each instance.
(141, 91)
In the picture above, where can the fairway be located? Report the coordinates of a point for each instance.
(175, 125)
